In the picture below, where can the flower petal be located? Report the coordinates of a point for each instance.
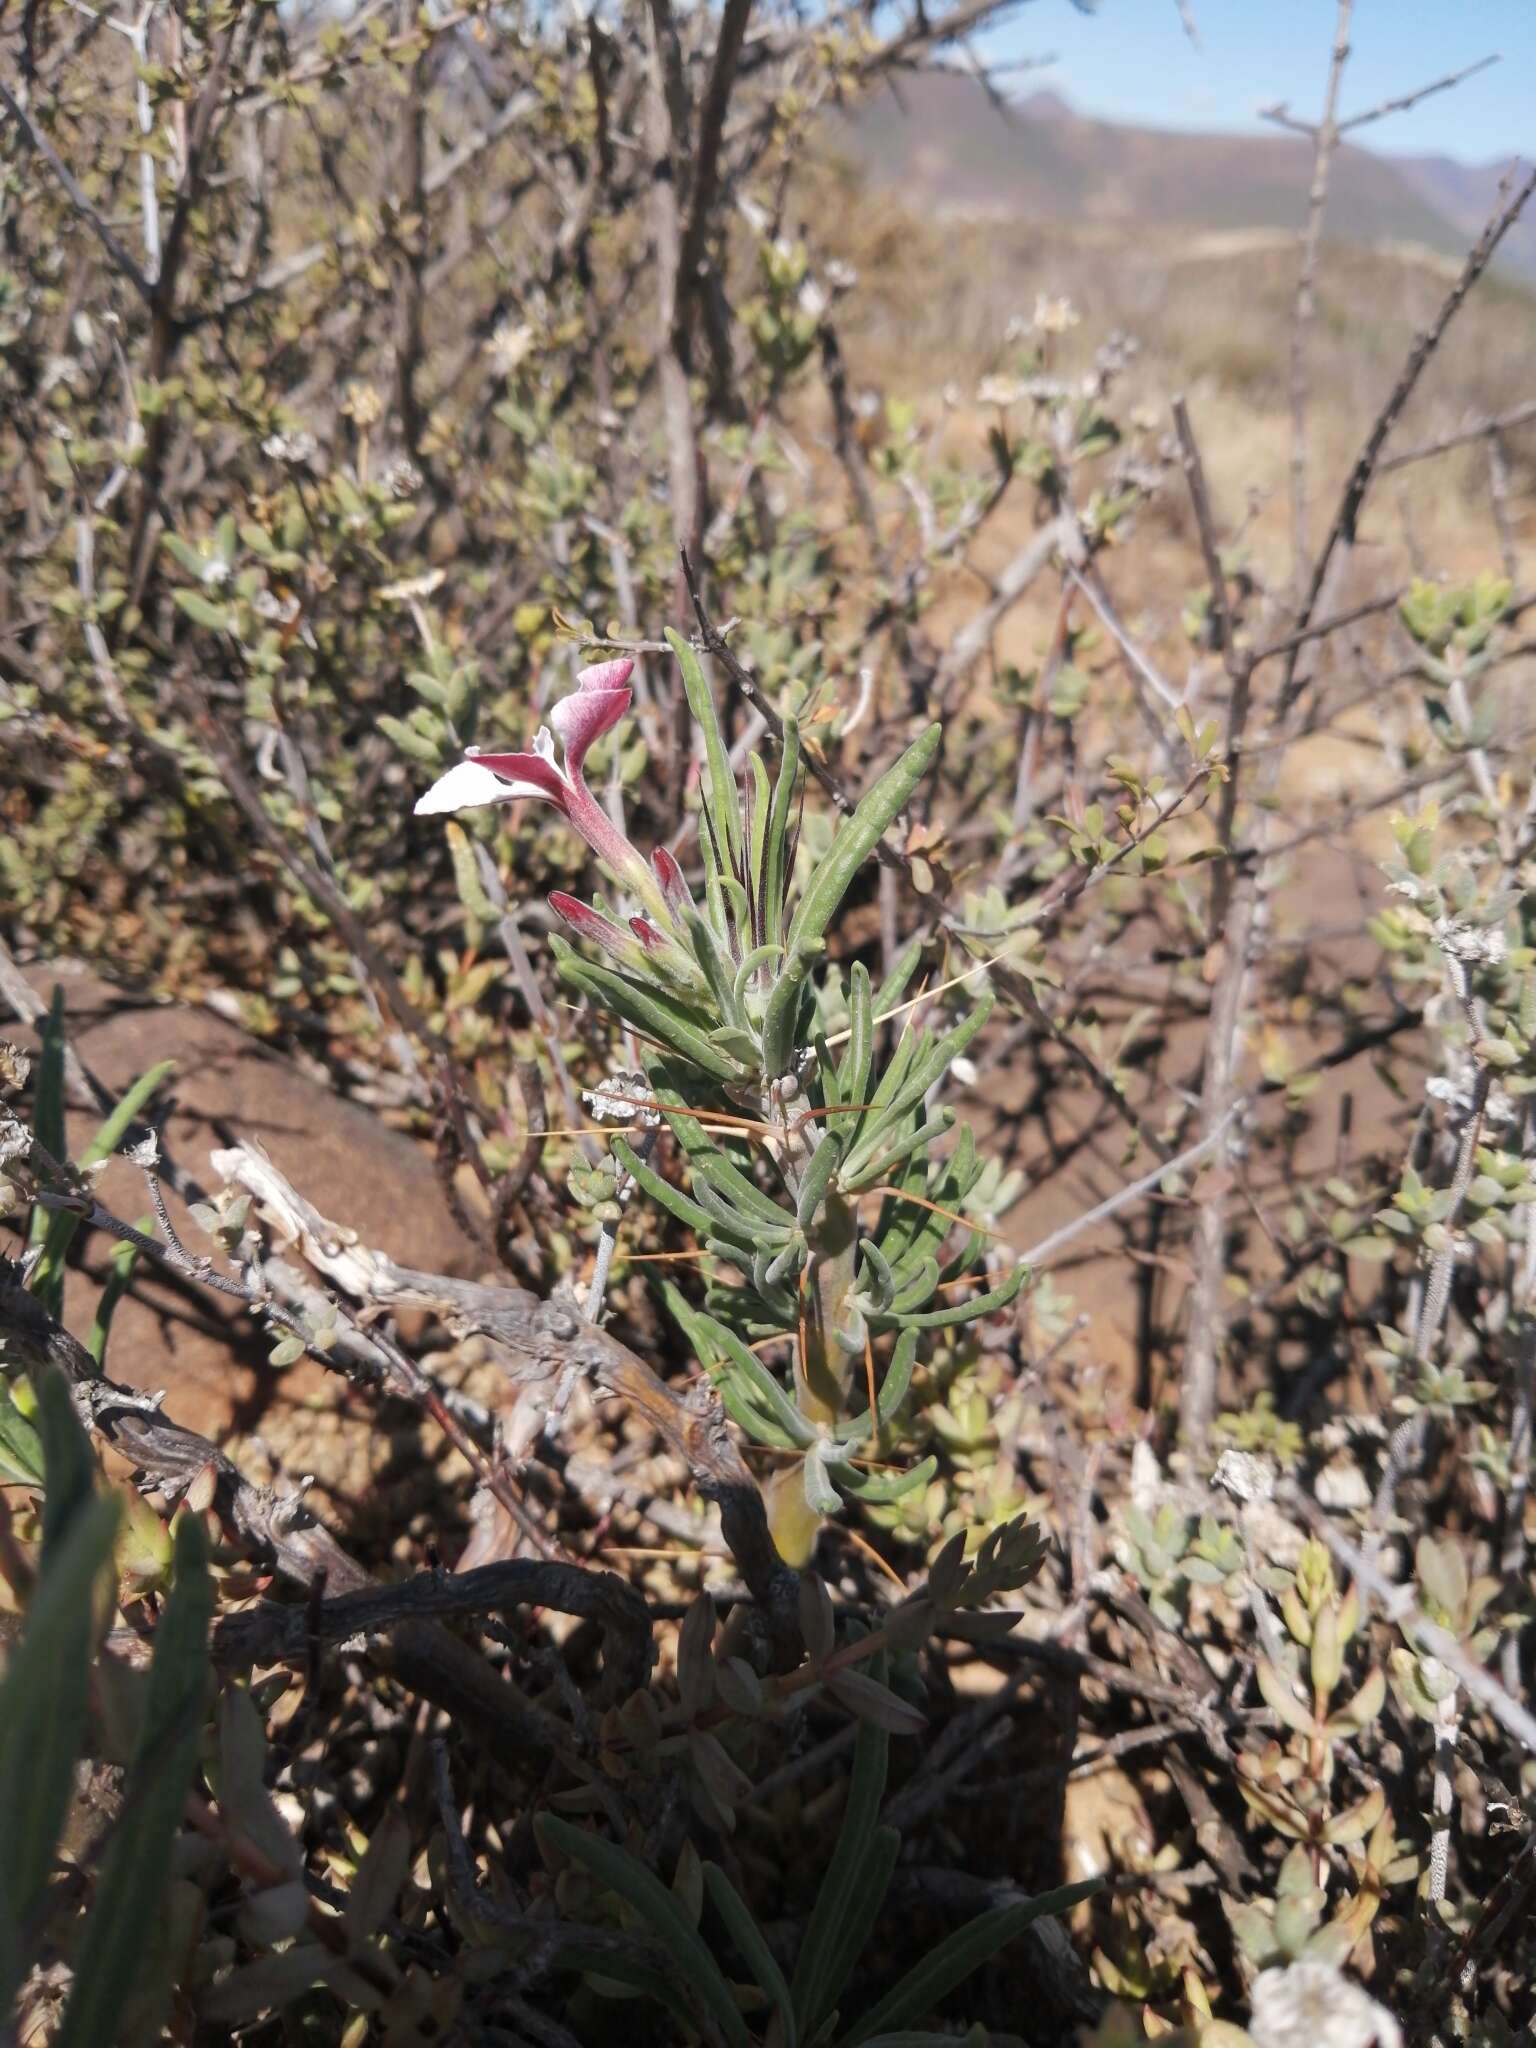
(535, 773)
(471, 783)
(601, 699)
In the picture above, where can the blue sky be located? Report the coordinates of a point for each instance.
(1130, 60)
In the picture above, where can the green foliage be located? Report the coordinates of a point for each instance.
(43, 1703)
(810, 2007)
(122, 1973)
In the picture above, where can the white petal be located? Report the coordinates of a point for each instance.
(468, 785)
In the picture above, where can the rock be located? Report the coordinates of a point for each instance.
(200, 1347)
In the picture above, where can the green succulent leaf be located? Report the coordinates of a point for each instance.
(967, 1311)
(675, 1025)
(858, 836)
(878, 1489)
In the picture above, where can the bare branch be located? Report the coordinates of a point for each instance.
(1342, 533)
(1477, 430)
(1306, 298)
(1406, 100)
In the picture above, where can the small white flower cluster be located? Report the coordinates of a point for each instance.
(402, 479)
(813, 299)
(1245, 1475)
(1458, 1096)
(282, 611)
(1478, 945)
(510, 346)
(1313, 2004)
(615, 1100)
(1051, 316)
(298, 447)
(1007, 391)
(1054, 316)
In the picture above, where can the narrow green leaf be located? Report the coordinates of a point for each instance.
(725, 801)
(864, 1907)
(879, 1284)
(43, 1711)
(960, 1956)
(783, 1012)
(751, 1945)
(766, 1391)
(914, 1284)
(826, 1074)
(853, 1073)
(21, 1449)
(776, 876)
(622, 1873)
(821, 1496)
(136, 1868)
(837, 1899)
(909, 1046)
(69, 1467)
(704, 1151)
(894, 986)
(680, 1029)
(879, 1489)
(721, 981)
(759, 957)
(929, 1060)
(761, 811)
(661, 1190)
(818, 1179)
(748, 1232)
(858, 836)
(61, 1224)
(48, 1089)
(898, 1377)
(723, 1175)
(124, 1259)
(921, 1138)
(115, 1128)
(909, 1232)
(968, 1311)
(735, 1392)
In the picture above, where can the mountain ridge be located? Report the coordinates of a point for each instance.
(951, 147)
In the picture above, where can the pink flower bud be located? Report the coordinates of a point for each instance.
(673, 887)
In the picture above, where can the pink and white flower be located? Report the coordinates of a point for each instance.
(601, 698)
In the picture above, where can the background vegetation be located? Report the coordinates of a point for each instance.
(946, 1443)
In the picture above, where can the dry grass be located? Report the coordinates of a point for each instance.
(1212, 316)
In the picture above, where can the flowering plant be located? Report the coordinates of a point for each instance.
(815, 1174)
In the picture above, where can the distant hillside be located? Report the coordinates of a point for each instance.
(945, 145)
(1466, 194)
